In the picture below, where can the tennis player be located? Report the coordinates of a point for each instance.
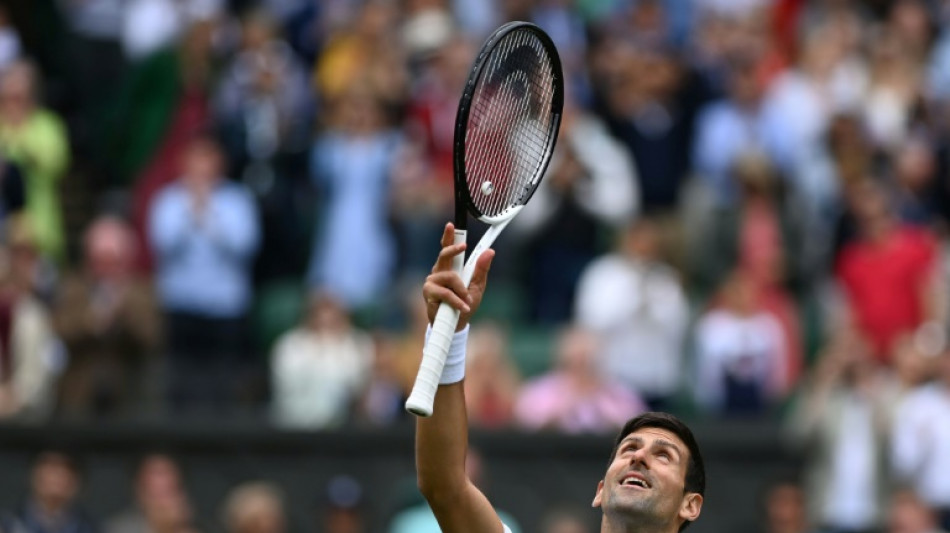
(654, 481)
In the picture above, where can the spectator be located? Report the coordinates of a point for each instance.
(423, 183)
(889, 275)
(263, 106)
(917, 194)
(320, 367)
(354, 253)
(764, 237)
(31, 355)
(204, 233)
(162, 106)
(913, 365)
(920, 441)
(730, 127)
(36, 140)
(363, 52)
(344, 508)
(739, 353)
(894, 87)
(801, 102)
(425, 27)
(254, 507)
(909, 514)
(491, 379)
(574, 397)
(382, 400)
(433, 103)
(841, 418)
(590, 190)
(161, 503)
(108, 319)
(784, 508)
(845, 158)
(651, 115)
(636, 305)
(51, 505)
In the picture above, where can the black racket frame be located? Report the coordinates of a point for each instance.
(464, 203)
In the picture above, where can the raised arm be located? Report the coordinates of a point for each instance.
(442, 439)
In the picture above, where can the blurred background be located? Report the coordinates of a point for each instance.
(216, 217)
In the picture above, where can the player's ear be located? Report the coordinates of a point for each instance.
(691, 506)
(597, 496)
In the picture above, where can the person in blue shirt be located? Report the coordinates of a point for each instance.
(204, 232)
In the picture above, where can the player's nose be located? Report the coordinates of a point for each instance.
(639, 457)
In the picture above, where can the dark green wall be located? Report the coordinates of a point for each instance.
(525, 474)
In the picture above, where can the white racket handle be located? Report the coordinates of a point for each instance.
(436, 349)
(421, 400)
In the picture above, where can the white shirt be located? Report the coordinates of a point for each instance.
(921, 442)
(640, 313)
(727, 343)
(852, 493)
(316, 376)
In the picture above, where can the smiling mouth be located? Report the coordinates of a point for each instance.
(634, 481)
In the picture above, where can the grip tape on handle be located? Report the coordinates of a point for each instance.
(436, 350)
(433, 360)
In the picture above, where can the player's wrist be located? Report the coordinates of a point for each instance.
(454, 369)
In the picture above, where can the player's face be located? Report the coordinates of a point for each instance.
(645, 483)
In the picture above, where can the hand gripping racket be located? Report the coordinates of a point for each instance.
(505, 130)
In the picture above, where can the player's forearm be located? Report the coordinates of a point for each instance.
(441, 445)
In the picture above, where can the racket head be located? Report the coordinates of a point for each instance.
(507, 123)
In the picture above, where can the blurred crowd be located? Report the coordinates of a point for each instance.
(161, 501)
(226, 208)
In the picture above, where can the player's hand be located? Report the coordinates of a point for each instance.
(445, 285)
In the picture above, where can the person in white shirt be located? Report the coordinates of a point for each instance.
(841, 421)
(655, 479)
(739, 352)
(638, 308)
(319, 368)
(921, 440)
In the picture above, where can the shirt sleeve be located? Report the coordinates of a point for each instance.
(507, 529)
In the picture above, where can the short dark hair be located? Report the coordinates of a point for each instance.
(58, 457)
(695, 470)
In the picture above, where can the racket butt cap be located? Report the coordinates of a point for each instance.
(418, 409)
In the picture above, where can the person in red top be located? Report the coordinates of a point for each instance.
(889, 274)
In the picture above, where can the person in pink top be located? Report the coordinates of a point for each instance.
(574, 397)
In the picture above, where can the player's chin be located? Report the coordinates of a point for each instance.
(632, 497)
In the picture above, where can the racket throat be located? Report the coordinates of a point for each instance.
(458, 262)
(483, 244)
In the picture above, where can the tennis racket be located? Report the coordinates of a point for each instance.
(505, 130)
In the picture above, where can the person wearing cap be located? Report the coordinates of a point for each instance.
(343, 509)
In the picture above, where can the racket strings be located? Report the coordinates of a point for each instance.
(510, 133)
(518, 143)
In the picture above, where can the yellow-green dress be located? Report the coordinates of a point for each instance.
(40, 146)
